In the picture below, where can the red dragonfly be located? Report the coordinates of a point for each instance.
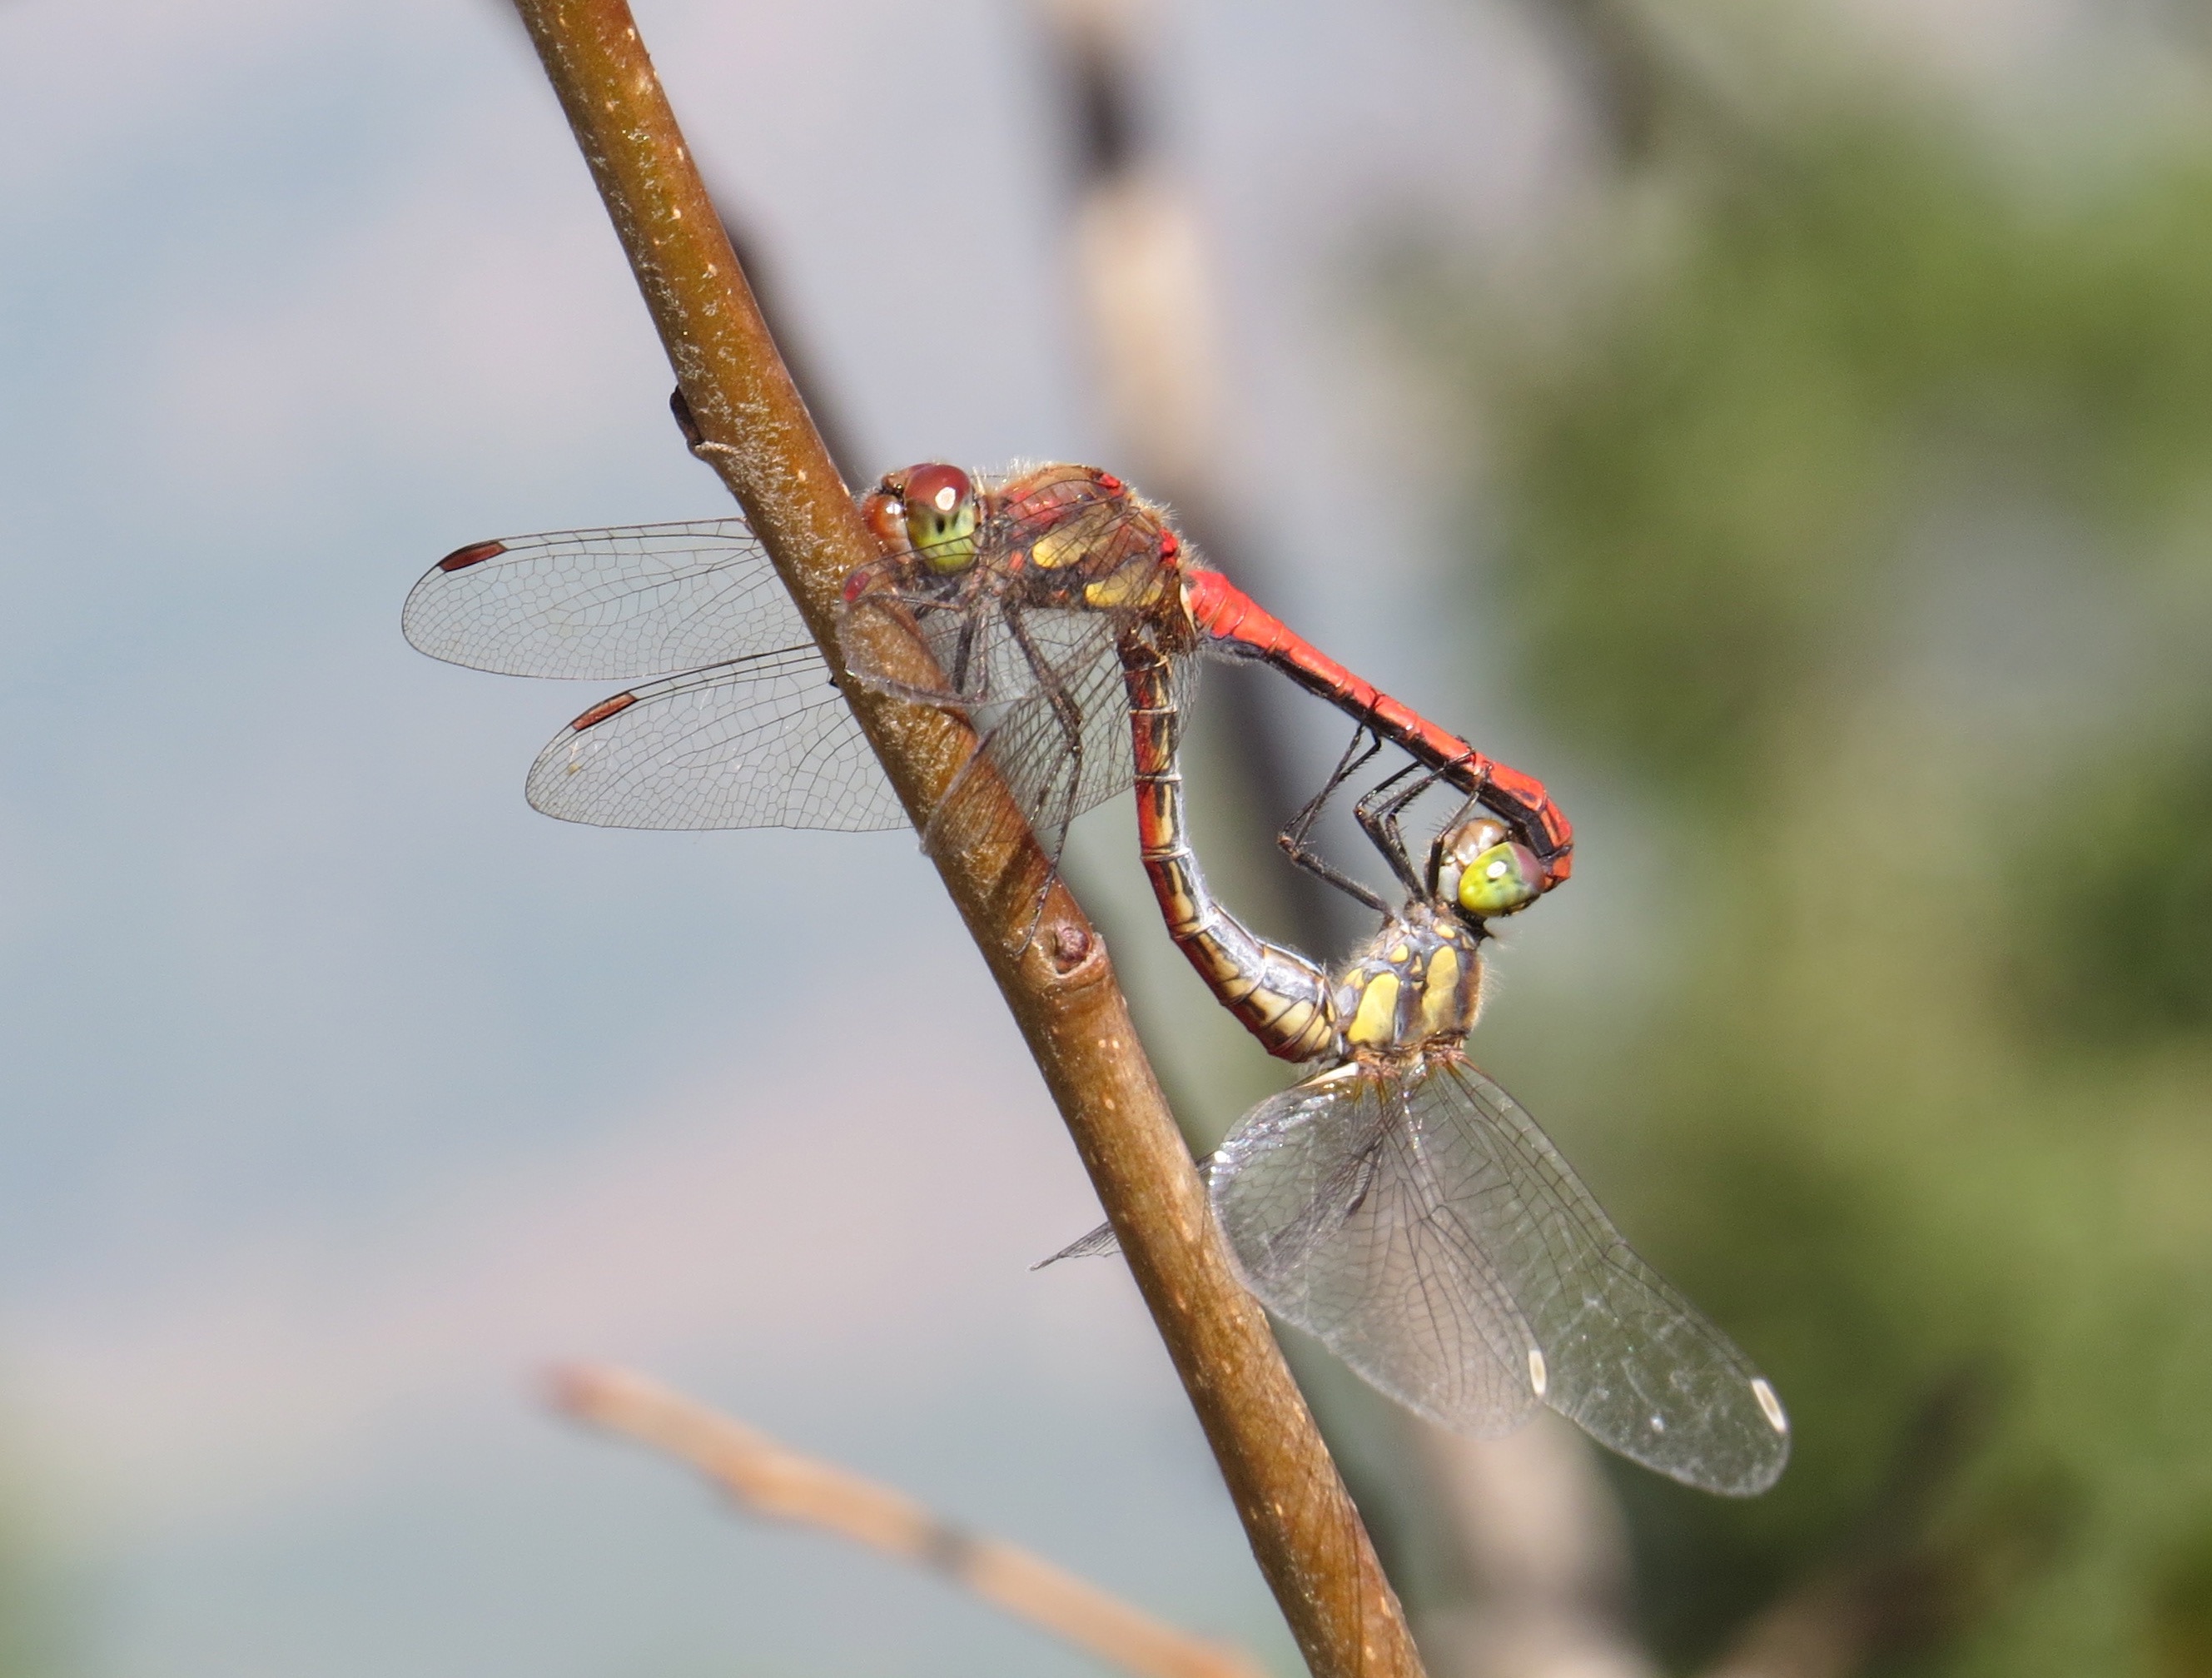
(1021, 589)
(1397, 1203)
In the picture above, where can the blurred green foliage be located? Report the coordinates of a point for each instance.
(1851, 495)
(38, 1615)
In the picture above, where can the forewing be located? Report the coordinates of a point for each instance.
(1340, 1229)
(1625, 1354)
(761, 742)
(1057, 760)
(605, 605)
(947, 649)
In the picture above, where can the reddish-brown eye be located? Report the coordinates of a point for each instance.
(937, 489)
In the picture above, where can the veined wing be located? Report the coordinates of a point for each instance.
(1338, 1231)
(606, 604)
(1059, 754)
(1101, 1241)
(1428, 1230)
(970, 635)
(1627, 1357)
(1085, 563)
(766, 741)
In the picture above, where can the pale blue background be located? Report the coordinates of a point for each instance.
(343, 1092)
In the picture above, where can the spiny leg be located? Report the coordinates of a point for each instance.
(1378, 819)
(1069, 716)
(963, 653)
(1443, 832)
(1293, 838)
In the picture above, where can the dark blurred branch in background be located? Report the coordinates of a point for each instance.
(1638, 82)
(767, 1479)
(1614, 59)
(1147, 307)
(797, 356)
(1544, 1552)
(1524, 1560)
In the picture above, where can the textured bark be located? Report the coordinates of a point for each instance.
(1303, 1530)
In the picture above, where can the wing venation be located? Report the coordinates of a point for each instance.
(761, 742)
(612, 604)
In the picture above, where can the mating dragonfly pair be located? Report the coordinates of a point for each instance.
(1396, 1203)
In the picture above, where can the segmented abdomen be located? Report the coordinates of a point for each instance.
(1282, 999)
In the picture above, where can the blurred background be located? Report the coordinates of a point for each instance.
(1788, 433)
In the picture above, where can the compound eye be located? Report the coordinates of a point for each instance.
(1502, 880)
(937, 489)
(1471, 839)
(940, 516)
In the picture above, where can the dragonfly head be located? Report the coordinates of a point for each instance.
(939, 505)
(1484, 873)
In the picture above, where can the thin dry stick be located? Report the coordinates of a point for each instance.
(772, 1481)
(1305, 1533)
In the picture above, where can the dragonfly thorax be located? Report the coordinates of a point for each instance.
(1053, 538)
(1416, 985)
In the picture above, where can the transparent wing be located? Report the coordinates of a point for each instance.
(1101, 1241)
(761, 742)
(1340, 1230)
(1427, 1231)
(1070, 550)
(967, 659)
(605, 605)
(1060, 753)
(1097, 1244)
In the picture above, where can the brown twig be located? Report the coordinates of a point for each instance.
(1524, 1559)
(777, 1483)
(1303, 1530)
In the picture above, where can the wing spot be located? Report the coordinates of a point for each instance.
(1769, 1405)
(475, 554)
(600, 712)
(1538, 1377)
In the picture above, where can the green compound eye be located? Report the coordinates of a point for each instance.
(940, 517)
(1502, 880)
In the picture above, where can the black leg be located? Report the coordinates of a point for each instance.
(1065, 711)
(964, 654)
(1393, 812)
(1378, 819)
(1294, 837)
(1068, 775)
(1436, 845)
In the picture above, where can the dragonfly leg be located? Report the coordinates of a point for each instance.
(963, 654)
(1065, 711)
(1069, 716)
(1444, 831)
(1378, 818)
(1293, 838)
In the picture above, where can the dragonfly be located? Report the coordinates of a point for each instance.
(1020, 588)
(1397, 1203)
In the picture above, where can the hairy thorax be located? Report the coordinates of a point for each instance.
(1415, 986)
